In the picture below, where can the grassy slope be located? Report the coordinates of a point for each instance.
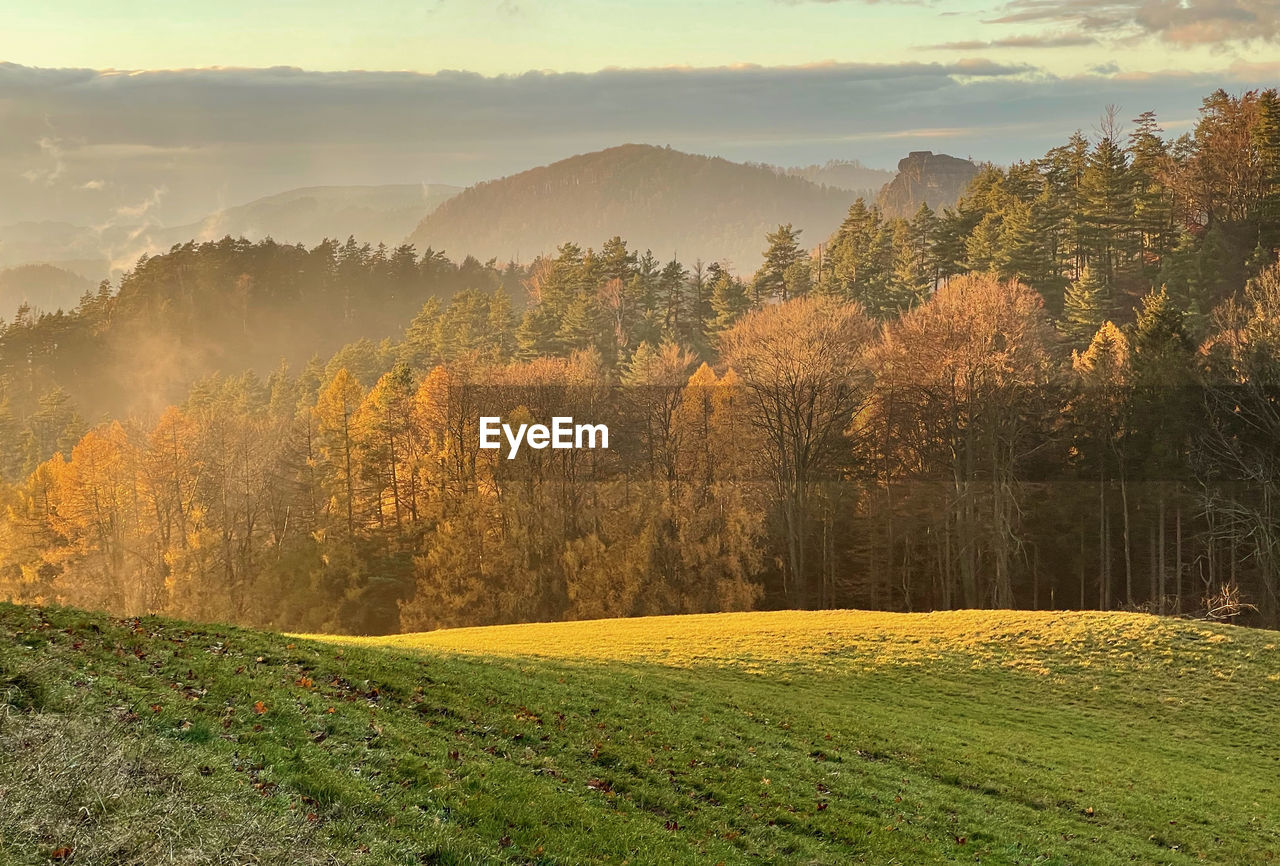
(813, 737)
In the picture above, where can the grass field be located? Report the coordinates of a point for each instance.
(831, 737)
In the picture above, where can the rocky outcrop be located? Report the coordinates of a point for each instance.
(924, 176)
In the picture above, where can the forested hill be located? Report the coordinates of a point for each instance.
(676, 204)
(1060, 392)
(219, 307)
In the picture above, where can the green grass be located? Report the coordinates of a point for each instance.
(792, 737)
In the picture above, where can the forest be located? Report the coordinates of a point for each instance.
(1062, 393)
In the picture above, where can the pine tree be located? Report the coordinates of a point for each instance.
(729, 300)
(1086, 308)
(1266, 136)
(1107, 199)
(859, 261)
(536, 336)
(674, 301)
(501, 340)
(797, 280)
(582, 326)
(783, 252)
(1152, 199)
(982, 248)
(1162, 347)
(1022, 253)
(912, 275)
(418, 349)
(915, 270)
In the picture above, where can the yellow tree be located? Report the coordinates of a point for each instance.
(802, 379)
(94, 504)
(335, 412)
(389, 447)
(957, 384)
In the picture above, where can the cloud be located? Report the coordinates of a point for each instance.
(224, 136)
(1180, 22)
(1064, 40)
(47, 174)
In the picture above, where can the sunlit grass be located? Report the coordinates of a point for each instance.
(825, 737)
(1044, 643)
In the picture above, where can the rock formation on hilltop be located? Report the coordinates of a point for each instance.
(924, 176)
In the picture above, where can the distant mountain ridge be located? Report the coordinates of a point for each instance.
(848, 174)
(673, 203)
(373, 214)
(44, 287)
(386, 214)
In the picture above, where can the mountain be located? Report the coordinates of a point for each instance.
(674, 203)
(42, 286)
(372, 214)
(924, 176)
(80, 249)
(846, 174)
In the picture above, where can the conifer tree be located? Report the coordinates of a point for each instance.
(536, 336)
(674, 302)
(729, 300)
(1086, 307)
(1107, 199)
(1152, 198)
(783, 252)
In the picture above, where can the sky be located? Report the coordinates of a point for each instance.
(144, 110)
(495, 37)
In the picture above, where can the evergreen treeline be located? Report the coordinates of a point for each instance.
(217, 306)
(1061, 393)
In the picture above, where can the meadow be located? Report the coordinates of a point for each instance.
(772, 737)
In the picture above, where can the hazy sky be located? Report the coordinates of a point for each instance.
(113, 112)
(511, 36)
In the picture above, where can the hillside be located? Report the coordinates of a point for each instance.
(925, 177)
(826, 737)
(676, 204)
(221, 307)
